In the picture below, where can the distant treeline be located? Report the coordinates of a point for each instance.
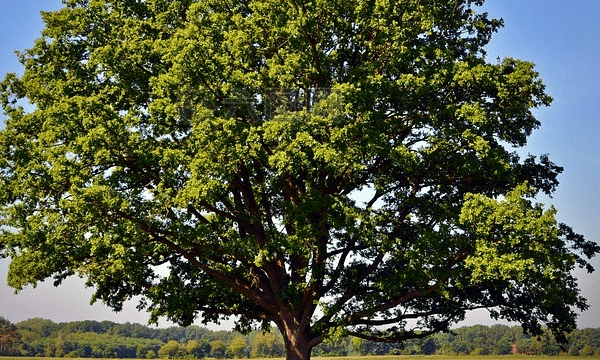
(93, 339)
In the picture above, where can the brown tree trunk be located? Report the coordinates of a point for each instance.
(298, 341)
(297, 350)
(297, 353)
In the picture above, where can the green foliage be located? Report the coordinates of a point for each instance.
(169, 350)
(237, 347)
(338, 347)
(478, 352)
(218, 349)
(193, 349)
(92, 345)
(586, 351)
(67, 340)
(100, 339)
(358, 344)
(334, 168)
(37, 328)
(267, 345)
(10, 339)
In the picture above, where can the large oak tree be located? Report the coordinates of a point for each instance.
(331, 167)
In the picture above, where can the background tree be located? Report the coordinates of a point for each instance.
(358, 345)
(203, 349)
(37, 328)
(67, 339)
(237, 347)
(332, 347)
(218, 349)
(267, 345)
(10, 339)
(334, 168)
(170, 350)
(586, 351)
(502, 347)
(193, 349)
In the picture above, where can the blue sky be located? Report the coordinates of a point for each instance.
(561, 37)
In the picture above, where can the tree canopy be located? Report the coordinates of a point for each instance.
(10, 339)
(332, 167)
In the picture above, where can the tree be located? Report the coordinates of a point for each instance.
(194, 349)
(586, 351)
(10, 339)
(502, 347)
(170, 350)
(358, 344)
(267, 345)
(237, 347)
(333, 168)
(526, 346)
(38, 327)
(573, 350)
(218, 349)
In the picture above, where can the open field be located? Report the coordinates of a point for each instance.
(393, 357)
(444, 357)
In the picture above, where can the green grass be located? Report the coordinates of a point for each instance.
(450, 357)
(445, 357)
(389, 357)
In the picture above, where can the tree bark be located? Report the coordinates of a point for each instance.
(298, 340)
(297, 350)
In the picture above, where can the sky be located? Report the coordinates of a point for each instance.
(562, 37)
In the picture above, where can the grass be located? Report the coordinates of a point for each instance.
(442, 357)
(388, 357)
(450, 357)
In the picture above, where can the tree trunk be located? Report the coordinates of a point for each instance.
(296, 351)
(298, 341)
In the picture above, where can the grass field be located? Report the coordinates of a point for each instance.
(455, 357)
(395, 357)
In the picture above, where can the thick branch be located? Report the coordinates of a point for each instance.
(241, 285)
(417, 315)
(351, 292)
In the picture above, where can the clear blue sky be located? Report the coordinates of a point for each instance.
(562, 37)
